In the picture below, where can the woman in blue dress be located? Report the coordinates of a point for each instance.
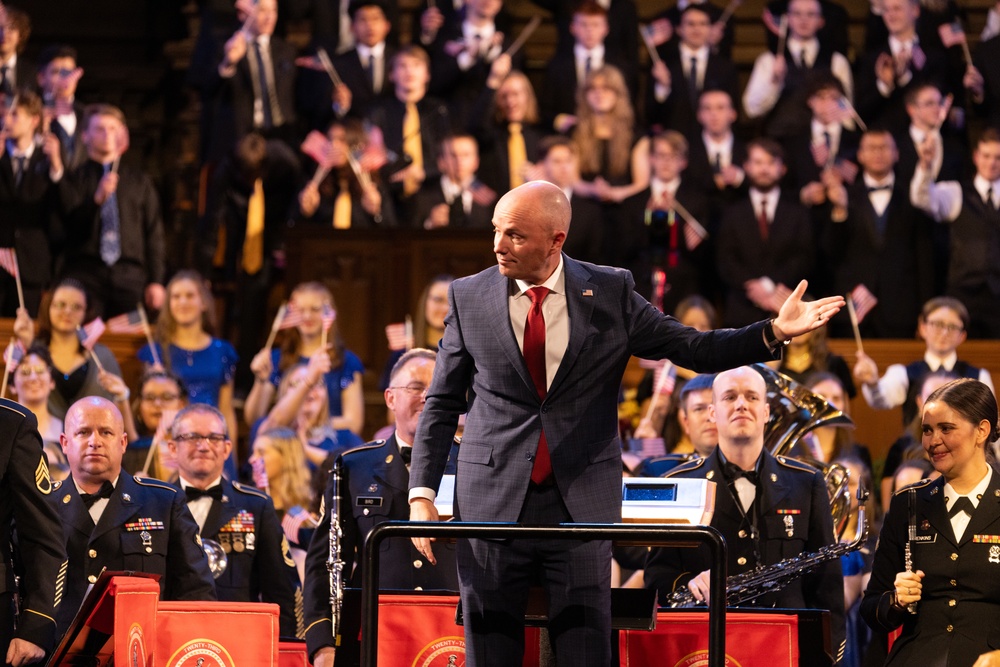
(297, 345)
(206, 364)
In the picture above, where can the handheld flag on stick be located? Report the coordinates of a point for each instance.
(88, 335)
(665, 383)
(126, 323)
(12, 356)
(329, 315)
(8, 260)
(525, 34)
(149, 334)
(276, 326)
(647, 38)
(854, 323)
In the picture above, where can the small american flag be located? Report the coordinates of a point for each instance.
(847, 170)
(374, 155)
(863, 301)
(318, 147)
(126, 323)
(397, 337)
(694, 234)
(483, 194)
(91, 332)
(951, 34)
(665, 378)
(329, 316)
(294, 520)
(8, 260)
(292, 318)
(13, 354)
(820, 153)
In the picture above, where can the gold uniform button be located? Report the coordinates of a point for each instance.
(92, 553)
(418, 563)
(950, 628)
(92, 578)
(954, 556)
(953, 582)
(952, 603)
(741, 561)
(149, 550)
(742, 533)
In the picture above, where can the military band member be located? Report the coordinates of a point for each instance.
(23, 492)
(118, 522)
(767, 508)
(373, 489)
(259, 567)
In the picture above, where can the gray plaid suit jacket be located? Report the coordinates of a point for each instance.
(480, 369)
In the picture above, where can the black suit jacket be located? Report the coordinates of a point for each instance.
(315, 89)
(373, 490)
(492, 137)
(623, 23)
(802, 167)
(263, 569)
(897, 266)
(146, 527)
(986, 57)
(140, 216)
(40, 552)
(786, 256)
(891, 111)
(785, 486)
(955, 164)
(586, 236)
(678, 111)
(955, 619)
(673, 14)
(701, 172)
(431, 195)
(29, 216)
(74, 153)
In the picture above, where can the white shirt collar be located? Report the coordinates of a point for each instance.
(14, 152)
(896, 45)
(983, 186)
(947, 362)
(726, 145)
(596, 54)
(687, 53)
(400, 442)
(485, 32)
(819, 128)
(658, 187)
(870, 181)
(365, 51)
(974, 495)
(556, 282)
(263, 41)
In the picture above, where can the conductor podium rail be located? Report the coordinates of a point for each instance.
(123, 623)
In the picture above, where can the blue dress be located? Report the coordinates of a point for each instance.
(204, 371)
(337, 380)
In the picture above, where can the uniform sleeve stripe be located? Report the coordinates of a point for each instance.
(38, 613)
(322, 620)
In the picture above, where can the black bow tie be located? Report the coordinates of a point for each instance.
(194, 494)
(879, 188)
(107, 488)
(406, 453)
(963, 503)
(733, 472)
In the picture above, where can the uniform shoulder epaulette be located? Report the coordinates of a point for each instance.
(916, 485)
(249, 490)
(374, 444)
(796, 464)
(148, 481)
(14, 406)
(686, 467)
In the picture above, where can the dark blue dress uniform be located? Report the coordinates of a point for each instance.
(792, 514)
(956, 617)
(40, 553)
(373, 489)
(145, 527)
(260, 567)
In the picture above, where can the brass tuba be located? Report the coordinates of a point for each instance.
(796, 410)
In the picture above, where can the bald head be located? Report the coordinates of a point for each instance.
(739, 401)
(530, 224)
(94, 441)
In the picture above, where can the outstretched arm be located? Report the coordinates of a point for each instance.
(796, 316)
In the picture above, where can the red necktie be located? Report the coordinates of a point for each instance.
(762, 221)
(534, 357)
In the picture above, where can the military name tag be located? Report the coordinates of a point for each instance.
(369, 501)
(143, 524)
(925, 539)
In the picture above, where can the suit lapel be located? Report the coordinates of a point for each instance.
(77, 514)
(498, 312)
(772, 487)
(221, 511)
(930, 505)
(579, 308)
(391, 473)
(987, 513)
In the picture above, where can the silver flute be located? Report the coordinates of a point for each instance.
(911, 498)
(334, 562)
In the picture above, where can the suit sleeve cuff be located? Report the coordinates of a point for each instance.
(424, 492)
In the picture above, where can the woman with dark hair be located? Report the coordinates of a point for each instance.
(161, 394)
(946, 595)
(76, 375)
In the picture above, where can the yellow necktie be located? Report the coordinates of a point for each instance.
(412, 146)
(342, 207)
(253, 243)
(517, 155)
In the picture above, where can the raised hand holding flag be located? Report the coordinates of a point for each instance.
(8, 260)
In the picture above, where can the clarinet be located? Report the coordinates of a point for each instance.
(911, 536)
(334, 562)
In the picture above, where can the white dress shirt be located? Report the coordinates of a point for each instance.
(943, 200)
(580, 55)
(771, 199)
(365, 54)
(880, 199)
(763, 92)
(891, 389)
(451, 190)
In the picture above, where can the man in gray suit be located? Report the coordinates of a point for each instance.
(534, 350)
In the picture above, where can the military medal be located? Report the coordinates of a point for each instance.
(251, 540)
(147, 540)
(789, 522)
(225, 540)
(925, 525)
(994, 554)
(238, 545)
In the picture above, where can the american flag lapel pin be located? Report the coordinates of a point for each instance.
(588, 292)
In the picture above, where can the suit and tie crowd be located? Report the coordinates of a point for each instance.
(871, 169)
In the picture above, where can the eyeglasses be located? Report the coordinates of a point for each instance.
(71, 307)
(28, 371)
(159, 398)
(212, 438)
(413, 389)
(938, 325)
